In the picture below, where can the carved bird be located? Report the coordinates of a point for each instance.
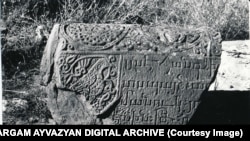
(91, 84)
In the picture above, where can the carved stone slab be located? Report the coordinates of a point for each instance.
(128, 74)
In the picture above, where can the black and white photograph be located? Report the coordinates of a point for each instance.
(125, 62)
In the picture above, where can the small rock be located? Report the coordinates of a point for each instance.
(40, 37)
(231, 86)
(108, 121)
(43, 120)
(2, 25)
(21, 122)
(52, 122)
(16, 102)
(4, 103)
(33, 119)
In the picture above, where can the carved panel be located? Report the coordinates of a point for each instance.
(161, 89)
(94, 76)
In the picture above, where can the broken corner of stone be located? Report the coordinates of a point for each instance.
(128, 74)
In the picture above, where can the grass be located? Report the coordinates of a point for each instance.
(31, 108)
(22, 17)
(21, 53)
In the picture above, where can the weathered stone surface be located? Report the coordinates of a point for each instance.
(233, 73)
(128, 74)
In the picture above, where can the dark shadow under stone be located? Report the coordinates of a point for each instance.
(223, 107)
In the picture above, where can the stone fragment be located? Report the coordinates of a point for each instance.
(128, 74)
(233, 73)
(4, 105)
(51, 122)
(19, 103)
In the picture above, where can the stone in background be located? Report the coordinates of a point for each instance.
(234, 71)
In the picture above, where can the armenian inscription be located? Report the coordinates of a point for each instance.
(129, 74)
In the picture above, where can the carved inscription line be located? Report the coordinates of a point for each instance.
(162, 115)
(139, 84)
(147, 102)
(145, 61)
(191, 65)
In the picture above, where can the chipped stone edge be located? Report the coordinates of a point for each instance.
(47, 63)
